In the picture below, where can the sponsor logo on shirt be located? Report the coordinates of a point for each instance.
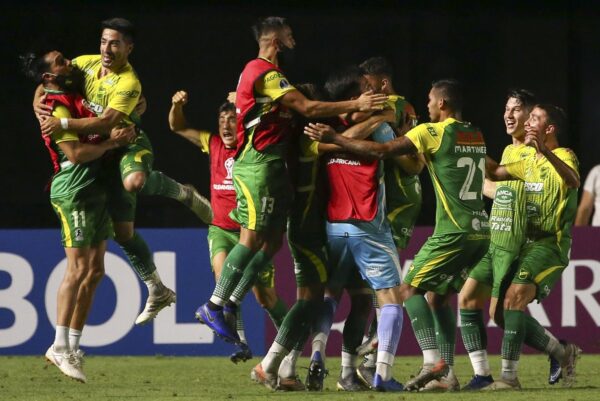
(284, 84)
(534, 187)
(130, 94)
(504, 198)
(78, 234)
(345, 162)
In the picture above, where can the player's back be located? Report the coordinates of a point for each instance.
(455, 157)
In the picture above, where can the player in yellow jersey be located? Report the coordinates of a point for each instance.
(113, 90)
(551, 180)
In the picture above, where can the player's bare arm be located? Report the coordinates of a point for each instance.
(489, 189)
(296, 101)
(495, 171)
(411, 164)
(103, 124)
(177, 120)
(585, 209)
(569, 176)
(78, 152)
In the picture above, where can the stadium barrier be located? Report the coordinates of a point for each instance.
(32, 263)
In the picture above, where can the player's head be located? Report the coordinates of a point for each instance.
(228, 124)
(519, 103)
(274, 32)
(51, 69)
(546, 119)
(346, 83)
(116, 42)
(378, 73)
(445, 95)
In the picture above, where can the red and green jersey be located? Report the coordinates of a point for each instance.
(455, 156)
(263, 123)
(551, 205)
(508, 218)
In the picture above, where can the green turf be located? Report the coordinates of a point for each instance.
(196, 378)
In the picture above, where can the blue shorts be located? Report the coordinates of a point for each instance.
(375, 255)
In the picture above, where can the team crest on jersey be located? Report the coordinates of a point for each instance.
(229, 168)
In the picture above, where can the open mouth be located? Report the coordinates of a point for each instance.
(107, 59)
(227, 135)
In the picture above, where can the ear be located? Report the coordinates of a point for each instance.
(130, 48)
(48, 77)
(384, 84)
(442, 103)
(550, 129)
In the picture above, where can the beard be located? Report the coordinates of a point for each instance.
(73, 82)
(286, 57)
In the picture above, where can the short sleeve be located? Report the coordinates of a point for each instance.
(126, 95)
(64, 136)
(274, 85)
(569, 158)
(517, 169)
(204, 139)
(309, 147)
(383, 133)
(427, 138)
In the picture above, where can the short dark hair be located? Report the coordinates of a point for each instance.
(267, 25)
(377, 66)
(524, 96)
(34, 67)
(227, 106)
(556, 116)
(121, 25)
(451, 91)
(344, 84)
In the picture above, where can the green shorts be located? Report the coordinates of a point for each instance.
(137, 156)
(309, 252)
(263, 195)
(83, 217)
(404, 201)
(445, 260)
(495, 269)
(541, 263)
(221, 240)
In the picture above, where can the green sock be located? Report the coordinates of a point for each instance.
(159, 184)
(258, 263)
(535, 335)
(296, 324)
(514, 334)
(445, 328)
(239, 324)
(277, 313)
(472, 330)
(139, 256)
(354, 329)
(233, 270)
(421, 320)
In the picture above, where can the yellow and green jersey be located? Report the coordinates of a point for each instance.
(119, 90)
(71, 177)
(455, 156)
(551, 205)
(508, 217)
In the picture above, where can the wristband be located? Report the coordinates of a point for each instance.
(64, 123)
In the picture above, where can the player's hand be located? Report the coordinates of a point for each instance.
(123, 135)
(320, 132)
(370, 101)
(533, 140)
(41, 109)
(50, 125)
(231, 97)
(180, 98)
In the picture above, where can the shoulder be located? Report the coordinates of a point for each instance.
(85, 60)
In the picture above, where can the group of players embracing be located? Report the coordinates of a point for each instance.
(285, 157)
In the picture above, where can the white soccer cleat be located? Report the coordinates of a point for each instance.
(68, 363)
(155, 305)
(197, 203)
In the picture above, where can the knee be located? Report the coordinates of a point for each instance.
(134, 182)
(265, 297)
(123, 232)
(518, 297)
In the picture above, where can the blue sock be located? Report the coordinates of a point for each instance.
(388, 331)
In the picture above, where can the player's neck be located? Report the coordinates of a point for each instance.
(444, 115)
(49, 86)
(270, 54)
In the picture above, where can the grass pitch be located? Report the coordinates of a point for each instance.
(211, 378)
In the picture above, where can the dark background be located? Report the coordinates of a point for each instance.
(551, 48)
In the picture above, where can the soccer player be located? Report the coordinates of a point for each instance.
(264, 98)
(551, 180)
(223, 233)
(402, 186)
(113, 90)
(80, 204)
(589, 205)
(455, 156)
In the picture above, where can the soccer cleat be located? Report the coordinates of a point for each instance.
(387, 386)
(444, 383)
(351, 383)
(215, 320)
(79, 354)
(503, 384)
(290, 384)
(366, 374)
(197, 203)
(478, 382)
(369, 346)
(316, 373)
(572, 354)
(555, 373)
(68, 363)
(427, 374)
(260, 376)
(155, 304)
(242, 355)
